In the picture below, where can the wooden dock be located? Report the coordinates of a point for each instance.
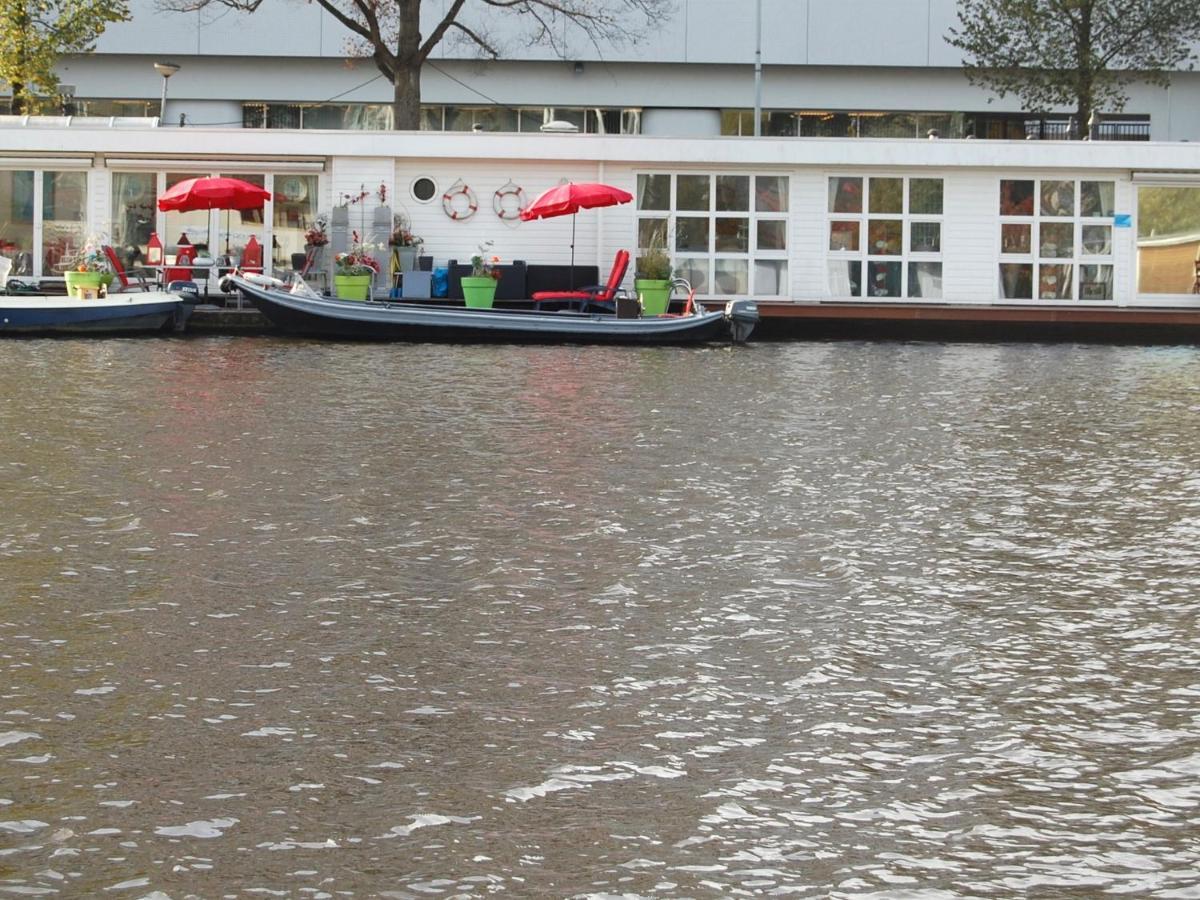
(208, 318)
(929, 321)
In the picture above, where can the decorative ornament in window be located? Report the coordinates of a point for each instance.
(293, 189)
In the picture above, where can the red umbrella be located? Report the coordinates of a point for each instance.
(568, 199)
(213, 193)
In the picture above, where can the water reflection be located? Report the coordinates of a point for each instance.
(822, 619)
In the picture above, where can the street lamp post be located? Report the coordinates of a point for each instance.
(166, 70)
(758, 68)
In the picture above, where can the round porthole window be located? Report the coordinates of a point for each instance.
(423, 189)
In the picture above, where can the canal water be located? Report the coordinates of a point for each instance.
(296, 619)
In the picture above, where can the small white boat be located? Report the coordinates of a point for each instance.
(60, 314)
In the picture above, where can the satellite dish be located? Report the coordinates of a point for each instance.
(560, 127)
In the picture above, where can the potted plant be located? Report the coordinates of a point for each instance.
(479, 288)
(405, 245)
(89, 272)
(354, 272)
(316, 234)
(652, 280)
(316, 238)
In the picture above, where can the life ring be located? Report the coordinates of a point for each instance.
(448, 201)
(509, 190)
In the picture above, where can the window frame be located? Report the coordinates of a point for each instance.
(907, 257)
(1173, 299)
(780, 260)
(37, 250)
(1034, 257)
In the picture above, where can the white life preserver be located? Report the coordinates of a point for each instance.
(457, 189)
(509, 190)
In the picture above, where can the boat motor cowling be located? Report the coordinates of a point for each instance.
(742, 316)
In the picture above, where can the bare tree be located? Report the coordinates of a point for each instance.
(1074, 52)
(388, 32)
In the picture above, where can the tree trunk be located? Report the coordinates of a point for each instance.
(18, 103)
(1086, 76)
(406, 97)
(1083, 114)
(406, 71)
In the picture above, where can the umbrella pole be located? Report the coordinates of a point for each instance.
(571, 286)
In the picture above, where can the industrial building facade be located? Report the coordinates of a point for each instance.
(857, 68)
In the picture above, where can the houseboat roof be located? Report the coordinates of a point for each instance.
(110, 143)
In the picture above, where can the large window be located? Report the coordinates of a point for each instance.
(949, 124)
(16, 219)
(1168, 226)
(295, 208)
(280, 225)
(50, 204)
(130, 108)
(726, 234)
(1056, 239)
(133, 213)
(64, 219)
(378, 117)
(885, 236)
(191, 226)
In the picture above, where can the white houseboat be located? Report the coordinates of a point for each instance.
(805, 226)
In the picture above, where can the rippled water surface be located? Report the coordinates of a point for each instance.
(295, 619)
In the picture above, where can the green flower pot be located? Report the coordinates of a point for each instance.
(479, 292)
(655, 294)
(352, 287)
(78, 281)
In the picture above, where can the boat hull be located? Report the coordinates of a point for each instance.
(118, 313)
(381, 321)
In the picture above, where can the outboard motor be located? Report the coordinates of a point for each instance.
(742, 316)
(187, 291)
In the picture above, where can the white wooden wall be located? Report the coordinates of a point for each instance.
(970, 229)
(542, 241)
(970, 237)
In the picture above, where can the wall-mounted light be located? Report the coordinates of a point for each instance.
(578, 67)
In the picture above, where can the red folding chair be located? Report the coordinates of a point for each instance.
(123, 277)
(601, 296)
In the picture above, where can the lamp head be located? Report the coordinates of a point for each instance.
(166, 69)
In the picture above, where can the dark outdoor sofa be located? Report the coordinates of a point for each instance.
(519, 281)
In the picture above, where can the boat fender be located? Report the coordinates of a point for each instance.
(448, 201)
(506, 211)
(262, 280)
